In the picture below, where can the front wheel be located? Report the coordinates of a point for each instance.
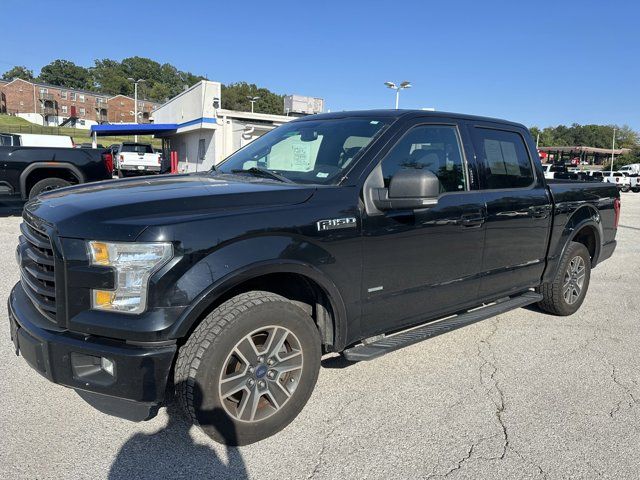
(565, 294)
(47, 185)
(625, 189)
(249, 368)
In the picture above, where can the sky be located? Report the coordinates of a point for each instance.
(541, 63)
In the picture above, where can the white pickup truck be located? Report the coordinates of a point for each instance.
(135, 158)
(621, 180)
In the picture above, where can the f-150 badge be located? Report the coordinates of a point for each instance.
(336, 223)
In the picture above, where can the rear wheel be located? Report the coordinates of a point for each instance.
(565, 294)
(47, 185)
(249, 368)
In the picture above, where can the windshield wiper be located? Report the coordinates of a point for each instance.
(263, 173)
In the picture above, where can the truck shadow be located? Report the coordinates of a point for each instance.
(172, 453)
(11, 208)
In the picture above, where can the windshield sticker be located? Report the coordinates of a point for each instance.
(322, 175)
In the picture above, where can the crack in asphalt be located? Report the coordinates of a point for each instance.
(630, 401)
(328, 434)
(500, 404)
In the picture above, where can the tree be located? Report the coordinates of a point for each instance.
(599, 136)
(108, 76)
(234, 97)
(19, 71)
(66, 74)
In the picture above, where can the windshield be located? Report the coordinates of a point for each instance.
(309, 151)
(136, 148)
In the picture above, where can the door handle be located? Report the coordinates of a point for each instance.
(472, 219)
(540, 212)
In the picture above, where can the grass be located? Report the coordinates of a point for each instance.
(12, 124)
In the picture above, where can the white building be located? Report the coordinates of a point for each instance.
(206, 134)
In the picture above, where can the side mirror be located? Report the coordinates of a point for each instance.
(409, 189)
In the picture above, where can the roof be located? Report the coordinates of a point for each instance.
(78, 90)
(584, 149)
(133, 129)
(396, 114)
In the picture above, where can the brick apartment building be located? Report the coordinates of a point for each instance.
(53, 105)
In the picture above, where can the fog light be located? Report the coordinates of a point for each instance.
(92, 369)
(107, 365)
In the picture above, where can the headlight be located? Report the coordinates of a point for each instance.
(133, 264)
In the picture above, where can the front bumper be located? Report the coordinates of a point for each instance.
(130, 382)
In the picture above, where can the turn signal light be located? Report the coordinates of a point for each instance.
(102, 297)
(100, 253)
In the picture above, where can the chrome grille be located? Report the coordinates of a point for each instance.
(37, 269)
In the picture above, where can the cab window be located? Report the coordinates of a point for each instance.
(504, 157)
(432, 147)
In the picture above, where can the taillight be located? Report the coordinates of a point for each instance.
(107, 158)
(616, 211)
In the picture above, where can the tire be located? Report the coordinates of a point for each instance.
(560, 298)
(212, 354)
(635, 190)
(625, 189)
(47, 185)
(121, 174)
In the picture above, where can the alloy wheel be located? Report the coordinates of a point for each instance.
(261, 373)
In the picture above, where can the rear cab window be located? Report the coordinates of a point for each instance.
(140, 149)
(503, 158)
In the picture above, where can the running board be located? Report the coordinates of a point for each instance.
(409, 337)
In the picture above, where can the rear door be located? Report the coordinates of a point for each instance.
(421, 263)
(518, 209)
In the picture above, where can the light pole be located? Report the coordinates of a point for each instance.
(252, 100)
(613, 147)
(135, 101)
(397, 88)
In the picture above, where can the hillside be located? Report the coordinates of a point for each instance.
(11, 124)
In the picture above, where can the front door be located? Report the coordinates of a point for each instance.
(419, 264)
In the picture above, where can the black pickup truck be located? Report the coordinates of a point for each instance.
(352, 232)
(26, 172)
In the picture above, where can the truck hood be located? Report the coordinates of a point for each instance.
(119, 210)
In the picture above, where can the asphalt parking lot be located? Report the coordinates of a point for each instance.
(523, 395)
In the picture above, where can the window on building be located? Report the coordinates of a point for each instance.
(21, 103)
(121, 103)
(82, 111)
(140, 104)
(81, 98)
(73, 96)
(505, 158)
(64, 109)
(63, 94)
(431, 147)
(44, 90)
(122, 114)
(201, 149)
